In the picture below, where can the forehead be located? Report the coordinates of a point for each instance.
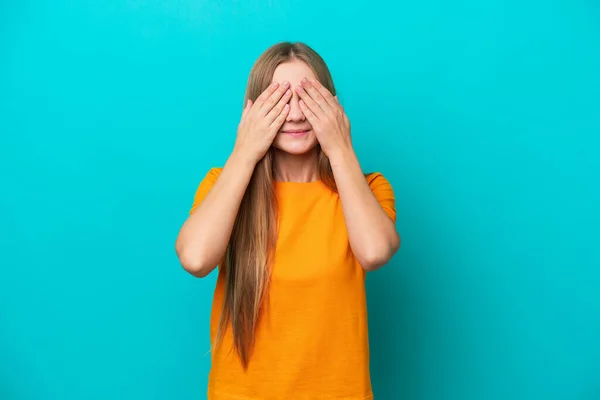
(293, 72)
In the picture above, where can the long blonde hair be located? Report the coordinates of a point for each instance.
(249, 255)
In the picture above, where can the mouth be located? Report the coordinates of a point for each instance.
(296, 132)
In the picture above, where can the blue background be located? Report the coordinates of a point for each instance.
(484, 115)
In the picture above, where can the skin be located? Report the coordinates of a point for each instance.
(295, 101)
(295, 156)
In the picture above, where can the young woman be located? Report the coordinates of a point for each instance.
(294, 225)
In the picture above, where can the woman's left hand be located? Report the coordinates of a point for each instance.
(327, 117)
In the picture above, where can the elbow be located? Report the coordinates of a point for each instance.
(194, 267)
(193, 263)
(372, 262)
(380, 255)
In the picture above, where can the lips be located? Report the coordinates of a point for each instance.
(296, 131)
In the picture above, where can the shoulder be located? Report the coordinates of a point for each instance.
(383, 192)
(210, 177)
(205, 186)
(213, 173)
(377, 180)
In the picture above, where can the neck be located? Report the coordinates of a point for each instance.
(295, 167)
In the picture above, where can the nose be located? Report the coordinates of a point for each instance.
(295, 114)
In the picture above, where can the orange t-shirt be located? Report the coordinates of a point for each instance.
(311, 339)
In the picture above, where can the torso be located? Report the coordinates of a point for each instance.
(311, 339)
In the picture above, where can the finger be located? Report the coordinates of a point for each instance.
(310, 103)
(329, 98)
(247, 108)
(315, 95)
(274, 98)
(339, 105)
(266, 94)
(310, 116)
(276, 124)
(275, 111)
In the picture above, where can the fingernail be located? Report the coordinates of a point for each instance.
(274, 85)
(299, 89)
(286, 84)
(288, 92)
(304, 81)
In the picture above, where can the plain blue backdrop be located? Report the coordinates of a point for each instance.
(484, 115)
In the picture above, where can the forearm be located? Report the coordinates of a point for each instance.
(372, 233)
(204, 237)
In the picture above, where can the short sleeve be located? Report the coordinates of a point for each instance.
(205, 186)
(383, 192)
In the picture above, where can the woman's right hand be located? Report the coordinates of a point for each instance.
(262, 120)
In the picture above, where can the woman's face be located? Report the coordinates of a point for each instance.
(295, 135)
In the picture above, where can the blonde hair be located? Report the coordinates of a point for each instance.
(249, 255)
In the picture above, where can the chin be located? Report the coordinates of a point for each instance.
(295, 146)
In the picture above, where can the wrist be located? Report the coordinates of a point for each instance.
(342, 157)
(243, 158)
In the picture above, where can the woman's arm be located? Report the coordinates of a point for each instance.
(203, 238)
(372, 233)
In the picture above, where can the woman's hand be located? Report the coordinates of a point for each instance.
(262, 120)
(327, 117)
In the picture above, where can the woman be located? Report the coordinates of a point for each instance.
(293, 224)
